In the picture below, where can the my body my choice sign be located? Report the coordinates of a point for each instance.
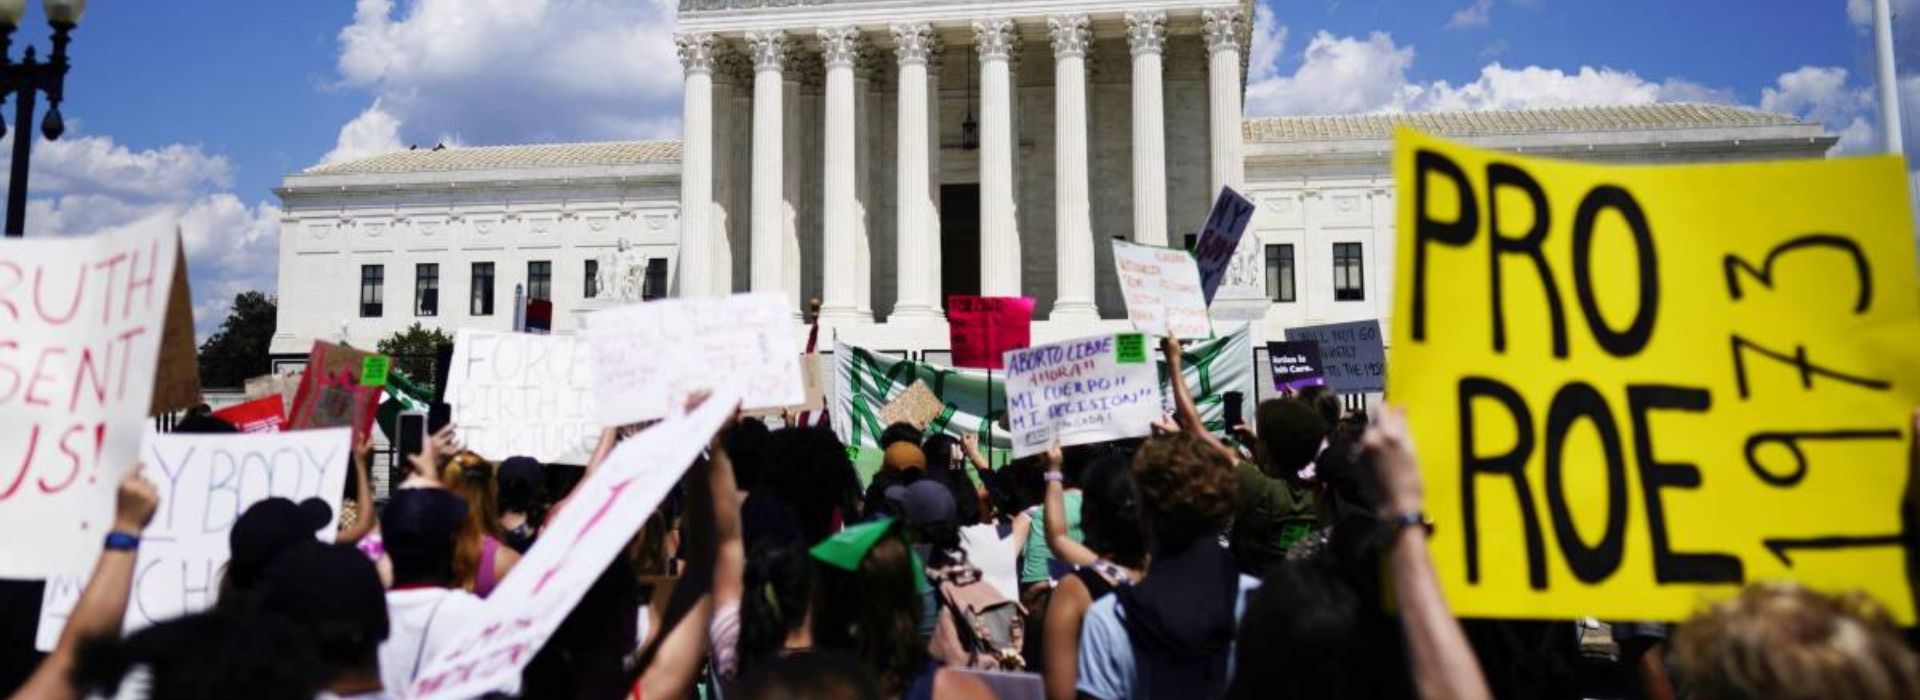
(1636, 387)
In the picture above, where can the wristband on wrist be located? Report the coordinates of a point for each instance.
(1055, 477)
(1410, 519)
(122, 542)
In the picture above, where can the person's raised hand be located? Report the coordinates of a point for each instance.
(1171, 347)
(363, 453)
(133, 507)
(1054, 456)
(970, 444)
(1165, 425)
(426, 463)
(1389, 445)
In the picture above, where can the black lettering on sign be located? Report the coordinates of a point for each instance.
(1634, 339)
(1530, 245)
(1780, 546)
(1764, 273)
(1799, 360)
(1670, 566)
(1574, 402)
(1791, 440)
(1512, 464)
(1426, 229)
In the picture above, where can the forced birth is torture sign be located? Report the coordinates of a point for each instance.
(1637, 388)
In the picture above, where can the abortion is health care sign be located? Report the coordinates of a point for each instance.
(580, 539)
(80, 325)
(1081, 391)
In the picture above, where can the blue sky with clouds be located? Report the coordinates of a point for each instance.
(196, 108)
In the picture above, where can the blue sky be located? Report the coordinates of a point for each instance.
(197, 108)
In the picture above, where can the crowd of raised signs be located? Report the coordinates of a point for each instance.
(1128, 548)
(1286, 561)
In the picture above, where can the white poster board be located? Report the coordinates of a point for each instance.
(82, 319)
(518, 394)
(579, 541)
(205, 482)
(1081, 391)
(647, 358)
(1162, 290)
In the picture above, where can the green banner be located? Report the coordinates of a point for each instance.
(864, 381)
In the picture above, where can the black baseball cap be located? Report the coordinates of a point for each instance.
(421, 522)
(269, 527)
(332, 590)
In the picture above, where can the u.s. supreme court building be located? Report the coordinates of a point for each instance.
(882, 154)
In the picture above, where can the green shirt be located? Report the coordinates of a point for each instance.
(1033, 559)
(1269, 515)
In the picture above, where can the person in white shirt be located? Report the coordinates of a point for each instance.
(424, 609)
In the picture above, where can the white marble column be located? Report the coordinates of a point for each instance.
(914, 199)
(936, 58)
(864, 69)
(695, 271)
(839, 47)
(769, 151)
(1073, 215)
(1222, 31)
(1000, 259)
(1147, 34)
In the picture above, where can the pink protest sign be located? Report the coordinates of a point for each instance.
(579, 541)
(982, 328)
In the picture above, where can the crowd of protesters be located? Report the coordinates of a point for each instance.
(1287, 560)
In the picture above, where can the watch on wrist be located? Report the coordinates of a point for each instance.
(1409, 519)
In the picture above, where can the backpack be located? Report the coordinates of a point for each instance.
(978, 627)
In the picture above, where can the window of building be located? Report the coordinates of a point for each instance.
(1349, 273)
(1280, 272)
(1190, 240)
(426, 289)
(372, 279)
(482, 304)
(656, 283)
(540, 279)
(593, 279)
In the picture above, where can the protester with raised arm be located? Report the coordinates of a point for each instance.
(1113, 555)
(103, 603)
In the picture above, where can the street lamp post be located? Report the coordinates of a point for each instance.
(25, 80)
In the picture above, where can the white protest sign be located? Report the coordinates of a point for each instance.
(1081, 391)
(205, 482)
(518, 394)
(647, 358)
(579, 541)
(1162, 290)
(80, 322)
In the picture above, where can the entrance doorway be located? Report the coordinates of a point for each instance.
(959, 240)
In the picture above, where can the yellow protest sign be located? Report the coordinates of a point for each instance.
(1636, 388)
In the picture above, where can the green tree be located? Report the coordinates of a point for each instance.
(413, 351)
(238, 350)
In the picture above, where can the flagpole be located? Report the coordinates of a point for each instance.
(1889, 81)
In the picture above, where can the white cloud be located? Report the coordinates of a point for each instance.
(509, 71)
(1344, 75)
(1269, 39)
(1822, 94)
(91, 184)
(1478, 14)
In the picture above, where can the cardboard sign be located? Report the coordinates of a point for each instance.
(519, 394)
(82, 320)
(1162, 290)
(1354, 357)
(330, 393)
(917, 406)
(981, 329)
(374, 369)
(1079, 392)
(262, 415)
(205, 482)
(649, 357)
(603, 514)
(1689, 377)
(1220, 239)
(1296, 365)
(176, 381)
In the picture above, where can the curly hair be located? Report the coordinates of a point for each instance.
(1784, 641)
(1186, 488)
